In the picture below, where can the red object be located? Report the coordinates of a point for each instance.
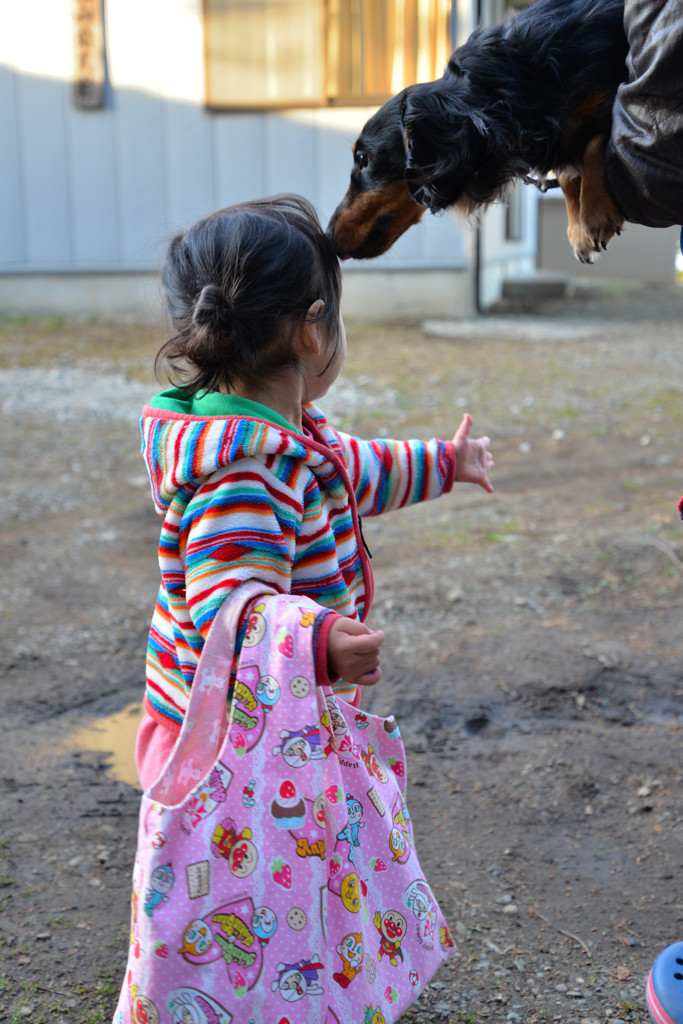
(286, 646)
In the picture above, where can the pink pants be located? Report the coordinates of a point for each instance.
(153, 746)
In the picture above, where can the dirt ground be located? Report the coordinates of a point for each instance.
(533, 653)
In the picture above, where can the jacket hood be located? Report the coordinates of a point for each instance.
(186, 439)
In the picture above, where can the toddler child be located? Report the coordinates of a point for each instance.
(252, 481)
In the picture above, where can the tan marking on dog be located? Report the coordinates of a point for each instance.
(593, 217)
(356, 221)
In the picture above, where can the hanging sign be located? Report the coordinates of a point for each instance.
(88, 35)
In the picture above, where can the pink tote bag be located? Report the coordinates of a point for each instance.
(276, 879)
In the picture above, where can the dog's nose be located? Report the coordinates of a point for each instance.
(332, 235)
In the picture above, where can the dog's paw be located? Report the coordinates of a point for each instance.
(582, 243)
(601, 229)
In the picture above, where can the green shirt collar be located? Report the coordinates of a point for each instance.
(214, 403)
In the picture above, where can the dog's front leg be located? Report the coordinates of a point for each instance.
(601, 220)
(579, 241)
(593, 218)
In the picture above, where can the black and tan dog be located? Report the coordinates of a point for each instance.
(531, 96)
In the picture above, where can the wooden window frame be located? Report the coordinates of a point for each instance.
(332, 92)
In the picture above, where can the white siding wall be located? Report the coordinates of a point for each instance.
(103, 190)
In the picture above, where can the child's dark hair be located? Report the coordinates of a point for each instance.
(237, 282)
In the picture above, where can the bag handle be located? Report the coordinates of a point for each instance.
(203, 730)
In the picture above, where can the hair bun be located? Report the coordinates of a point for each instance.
(212, 307)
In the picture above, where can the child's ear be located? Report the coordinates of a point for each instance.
(309, 335)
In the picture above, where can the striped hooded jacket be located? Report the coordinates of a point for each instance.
(245, 496)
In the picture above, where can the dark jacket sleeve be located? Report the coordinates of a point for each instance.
(645, 152)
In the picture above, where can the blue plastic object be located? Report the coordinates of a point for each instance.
(665, 986)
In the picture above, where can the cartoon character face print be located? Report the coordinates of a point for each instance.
(298, 980)
(292, 986)
(373, 1016)
(319, 811)
(300, 747)
(143, 1010)
(351, 952)
(243, 859)
(350, 892)
(264, 924)
(236, 847)
(268, 691)
(256, 627)
(197, 938)
(354, 810)
(160, 884)
(397, 843)
(420, 900)
(391, 926)
(188, 1006)
(337, 723)
(373, 765)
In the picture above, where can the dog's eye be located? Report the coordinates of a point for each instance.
(361, 159)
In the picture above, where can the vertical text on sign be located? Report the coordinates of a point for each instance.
(89, 73)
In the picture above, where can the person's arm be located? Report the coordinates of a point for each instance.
(388, 475)
(644, 156)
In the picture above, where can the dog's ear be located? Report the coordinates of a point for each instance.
(446, 145)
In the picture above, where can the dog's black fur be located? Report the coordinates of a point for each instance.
(531, 95)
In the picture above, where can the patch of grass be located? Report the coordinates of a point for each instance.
(569, 412)
(26, 341)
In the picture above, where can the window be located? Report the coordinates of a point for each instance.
(293, 53)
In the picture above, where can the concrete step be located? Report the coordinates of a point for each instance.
(537, 286)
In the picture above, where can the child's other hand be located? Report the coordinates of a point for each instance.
(353, 652)
(473, 458)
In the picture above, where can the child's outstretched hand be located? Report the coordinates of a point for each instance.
(353, 652)
(473, 459)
